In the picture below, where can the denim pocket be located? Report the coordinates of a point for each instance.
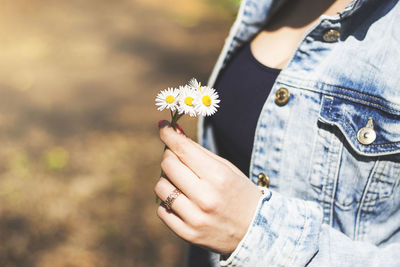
(351, 117)
(367, 172)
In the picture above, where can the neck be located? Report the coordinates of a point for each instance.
(301, 13)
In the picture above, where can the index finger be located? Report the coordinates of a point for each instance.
(189, 152)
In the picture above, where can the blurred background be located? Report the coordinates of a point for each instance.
(79, 141)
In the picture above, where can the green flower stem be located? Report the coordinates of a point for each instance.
(175, 118)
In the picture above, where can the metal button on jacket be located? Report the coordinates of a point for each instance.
(331, 36)
(263, 180)
(366, 135)
(282, 96)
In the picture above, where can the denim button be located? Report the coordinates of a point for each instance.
(263, 180)
(282, 96)
(366, 135)
(331, 35)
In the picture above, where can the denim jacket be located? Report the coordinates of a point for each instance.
(331, 148)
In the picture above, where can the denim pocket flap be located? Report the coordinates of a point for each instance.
(370, 131)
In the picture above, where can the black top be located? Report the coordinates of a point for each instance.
(243, 86)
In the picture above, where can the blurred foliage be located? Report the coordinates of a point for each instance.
(230, 5)
(227, 7)
(56, 158)
(80, 148)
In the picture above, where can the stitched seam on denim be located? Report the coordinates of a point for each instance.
(301, 236)
(373, 193)
(334, 189)
(390, 184)
(258, 137)
(282, 140)
(332, 170)
(325, 192)
(242, 246)
(390, 181)
(397, 181)
(337, 87)
(314, 147)
(318, 161)
(362, 101)
(362, 200)
(398, 170)
(357, 100)
(353, 135)
(322, 191)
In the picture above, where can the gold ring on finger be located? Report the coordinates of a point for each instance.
(171, 198)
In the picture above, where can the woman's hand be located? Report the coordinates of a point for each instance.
(217, 202)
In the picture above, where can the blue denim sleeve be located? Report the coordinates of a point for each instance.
(289, 232)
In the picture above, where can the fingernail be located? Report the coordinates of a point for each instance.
(162, 123)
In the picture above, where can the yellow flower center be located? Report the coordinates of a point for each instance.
(206, 100)
(170, 99)
(188, 101)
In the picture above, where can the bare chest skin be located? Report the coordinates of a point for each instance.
(275, 45)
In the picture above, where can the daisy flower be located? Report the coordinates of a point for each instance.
(195, 84)
(206, 102)
(186, 99)
(167, 99)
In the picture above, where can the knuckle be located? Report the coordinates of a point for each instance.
(199, 222)
(166, 162)
(223, 179)
(159, 212)
(196, 235)
(167, 153)
(158, 187)
(181, 149)
(220, 181)
(209, 204)
(192, 236)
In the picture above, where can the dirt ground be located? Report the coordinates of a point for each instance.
(79, 143)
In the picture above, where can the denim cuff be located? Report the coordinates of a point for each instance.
(283, 232)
